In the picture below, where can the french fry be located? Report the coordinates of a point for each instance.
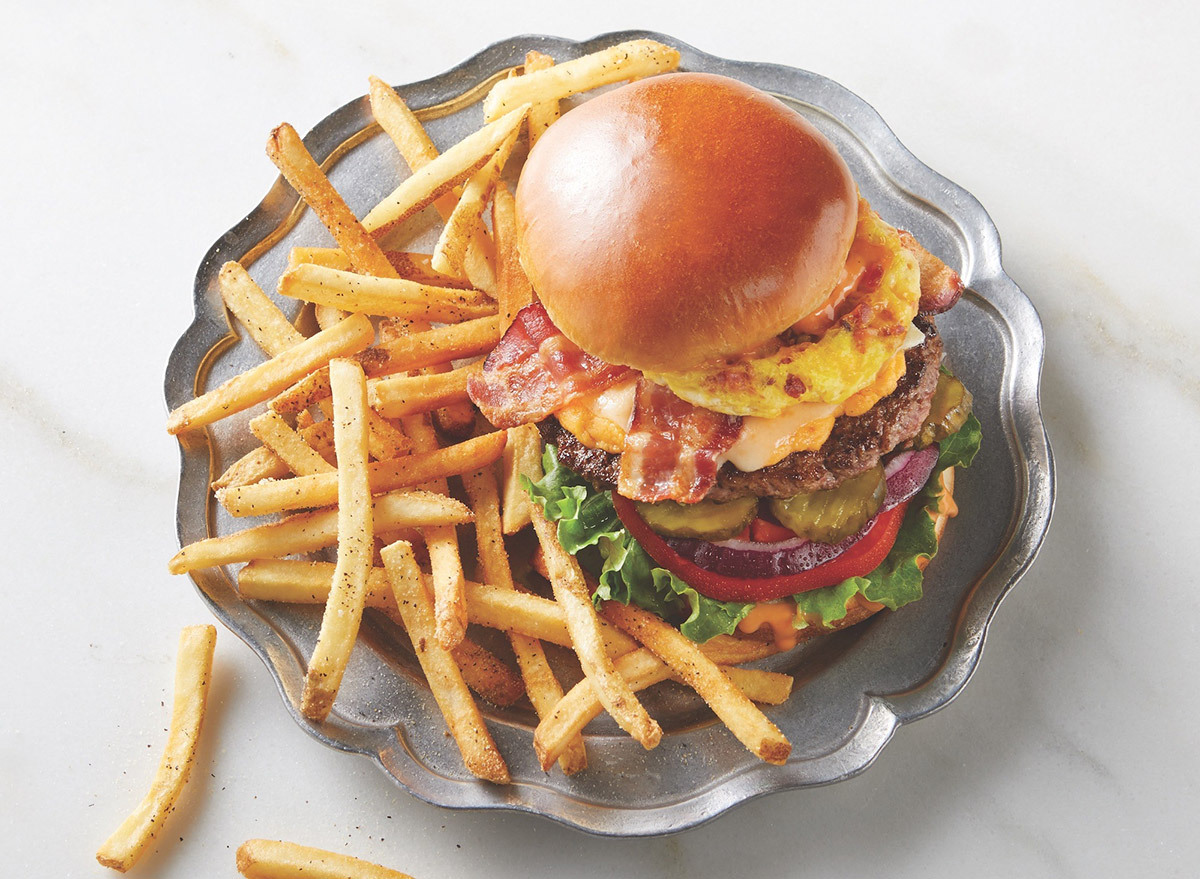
(451, 249)
(265, 323)
(571, 592)
(736, 711)
(408, 265)
(293, 581)
(271, 859)
(261, 463)
(355, 539)
(401, 395)
(267, 379)
(308, 532)
(193, 670)
(309, 391)
(321, 489)
(522, 457)
(389, 297)
(543, 113)
(513, 290)
(418, 150)
(433, 347)
(445, 679)
(287, 151)
(275, 434)
(540, 683)
(448, 586)
(443, 173)
(630, 60)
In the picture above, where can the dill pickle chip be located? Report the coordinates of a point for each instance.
(835, 514)
(706, 520)
(948, 411)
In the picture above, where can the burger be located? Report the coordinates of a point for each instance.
(733, 364)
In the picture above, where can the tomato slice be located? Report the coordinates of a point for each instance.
(860, 559)
(764, 531)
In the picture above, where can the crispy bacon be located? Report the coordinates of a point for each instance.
(672, 447)
(941, 286)
(535, 370)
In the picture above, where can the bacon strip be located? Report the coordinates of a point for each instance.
(672, 447)
(535, 370)
(941, 286)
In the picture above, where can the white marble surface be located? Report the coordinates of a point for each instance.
(133, 138)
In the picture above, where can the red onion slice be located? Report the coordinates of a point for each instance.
(906, 474)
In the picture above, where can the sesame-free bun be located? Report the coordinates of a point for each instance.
(682, 218)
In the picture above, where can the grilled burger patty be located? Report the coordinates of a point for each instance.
(856, 443)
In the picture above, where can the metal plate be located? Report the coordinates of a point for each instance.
(854, 689)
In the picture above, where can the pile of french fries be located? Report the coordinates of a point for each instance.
(366, 420)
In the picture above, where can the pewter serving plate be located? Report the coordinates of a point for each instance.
(853, 689)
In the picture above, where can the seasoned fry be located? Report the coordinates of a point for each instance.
(448, 586)
(445, 680)
(287, 151)
(308, 532)
(390, 297)
(631, 60)
(355, 538)
(464, 222)
(262, 463)
(513, 290)
(745, 721)
(320, 489)
(541, 684)
(418, 150)
(267, 379)
(265, 323)
(433, 347)
(543, 113)
(443, 173)
(193, 670)
(571, 592)
(300, 582)
(269, 859)
(401, 395)
(275, 434)
(522, 457)
(408, 265)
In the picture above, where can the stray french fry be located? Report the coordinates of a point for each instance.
(300, 582)
(275, 434)
(445, 679)
(540, 683)
(265, 323)
(269, 859)
(543, 113)
(745, 721)
(390, 297)
(443, 173)
(631, 60)
(193, 670)
(308, 532)
(321, 489)
(355, 538)
(571, 592)
(287, 151)
(522, 457)
(267, 379)
(400, 395)
(513, 290)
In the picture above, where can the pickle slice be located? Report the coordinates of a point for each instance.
(707, 520)
(833, 515)
(948, 411)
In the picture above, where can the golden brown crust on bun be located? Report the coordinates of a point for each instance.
(682, 218)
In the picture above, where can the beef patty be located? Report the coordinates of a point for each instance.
(856, 443)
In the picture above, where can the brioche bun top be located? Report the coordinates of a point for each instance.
(682, 218)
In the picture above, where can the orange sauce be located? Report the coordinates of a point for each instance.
(779, 615)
